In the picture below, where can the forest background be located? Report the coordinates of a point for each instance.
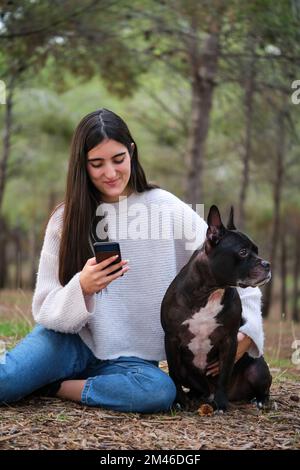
(210, 91)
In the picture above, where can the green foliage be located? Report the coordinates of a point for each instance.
(16, 329)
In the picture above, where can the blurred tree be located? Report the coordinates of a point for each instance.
(211, 42)
(67, 37)
(255, 45)
(186, 37)
(76, 36)
(296, 275)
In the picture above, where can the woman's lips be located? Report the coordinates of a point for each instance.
(113, 183)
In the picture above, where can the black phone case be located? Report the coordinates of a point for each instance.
(104, 250)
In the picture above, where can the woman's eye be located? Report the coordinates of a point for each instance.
(243, 252)
(115, 161)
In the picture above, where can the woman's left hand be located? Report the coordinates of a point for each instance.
(244, 343)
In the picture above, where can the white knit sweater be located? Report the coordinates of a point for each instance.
(124, 318)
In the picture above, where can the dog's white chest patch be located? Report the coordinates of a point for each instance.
(201, 325)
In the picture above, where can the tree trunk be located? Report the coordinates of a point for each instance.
(6, 140)
(3, 257)
(204, 70)
(3, 169)
(33, 256)
(278, 183)
(248, 107)
(18, 259)
(283, 257)
(296, 275)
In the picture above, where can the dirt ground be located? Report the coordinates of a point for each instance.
(46, 423)
(50, 423)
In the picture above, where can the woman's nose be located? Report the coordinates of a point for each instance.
(110, 172)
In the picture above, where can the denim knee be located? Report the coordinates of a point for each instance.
(142, 389)
(40, 358)
(155, 395)
(8, 390)
(165, 395)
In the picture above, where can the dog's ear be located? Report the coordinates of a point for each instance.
(230, 223)
(216, 229)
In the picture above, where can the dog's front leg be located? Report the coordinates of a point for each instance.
(226, 362)
(174, 369)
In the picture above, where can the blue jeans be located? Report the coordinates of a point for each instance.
(123, 384)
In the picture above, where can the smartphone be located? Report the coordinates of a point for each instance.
(104, 250)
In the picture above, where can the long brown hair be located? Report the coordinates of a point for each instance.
(81, 196)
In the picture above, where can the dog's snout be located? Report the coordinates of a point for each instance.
(265, 264)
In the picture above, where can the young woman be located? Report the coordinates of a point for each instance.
(99, 339)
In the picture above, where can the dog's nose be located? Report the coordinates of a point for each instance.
(265, 264)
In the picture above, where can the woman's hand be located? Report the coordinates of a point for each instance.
(244, 343)
(96, 276)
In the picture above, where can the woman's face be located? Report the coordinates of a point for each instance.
(108, 165)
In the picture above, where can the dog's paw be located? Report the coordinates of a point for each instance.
(186, 404)
(219, 411)
(219, 407)
(181, 401)
(220, 402)
(261, 404)
(177, 406)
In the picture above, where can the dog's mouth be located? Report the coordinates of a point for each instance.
(254, 282)
(265, 280)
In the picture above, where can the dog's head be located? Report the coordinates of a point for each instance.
(232, 256)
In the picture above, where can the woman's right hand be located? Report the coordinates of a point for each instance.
(96, 276)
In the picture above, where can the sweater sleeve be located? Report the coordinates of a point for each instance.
(251, 311)
(61, 308)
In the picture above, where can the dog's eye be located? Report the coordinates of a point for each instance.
(243, 252)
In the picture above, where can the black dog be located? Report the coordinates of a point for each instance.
(201, 314)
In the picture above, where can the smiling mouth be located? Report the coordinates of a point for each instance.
(112, 183)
